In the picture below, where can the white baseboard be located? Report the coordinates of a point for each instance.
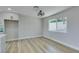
(65, 44)
(12, 39)
(21, 38)
(29, 37)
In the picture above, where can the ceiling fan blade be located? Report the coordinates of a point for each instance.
(41, 13)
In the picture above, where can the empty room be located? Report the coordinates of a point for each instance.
(39, 29)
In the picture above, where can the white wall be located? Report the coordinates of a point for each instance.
(29, 27)
(10, 16)
(72, 37)
(2, 43)
(7, 16)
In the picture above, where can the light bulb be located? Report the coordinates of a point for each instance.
(9, 8)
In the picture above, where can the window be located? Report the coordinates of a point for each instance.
(57, 25)
(1, 28)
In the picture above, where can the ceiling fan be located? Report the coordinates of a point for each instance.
(39, 11)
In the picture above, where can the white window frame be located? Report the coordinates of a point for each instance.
(62, 30)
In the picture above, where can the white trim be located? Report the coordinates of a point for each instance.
(12, 39)
(29, 37)
(73, 47)
(24, 38)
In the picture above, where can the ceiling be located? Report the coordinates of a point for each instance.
(29, 10)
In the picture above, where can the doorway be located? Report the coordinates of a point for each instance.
(11, 30)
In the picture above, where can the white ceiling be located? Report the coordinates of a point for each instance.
(28, 10)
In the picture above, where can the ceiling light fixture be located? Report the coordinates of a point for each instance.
(39, 11)
(9, 8)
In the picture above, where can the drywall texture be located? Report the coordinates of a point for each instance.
(72, 35)
(29, 27)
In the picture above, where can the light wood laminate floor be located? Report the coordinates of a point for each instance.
(36, 45)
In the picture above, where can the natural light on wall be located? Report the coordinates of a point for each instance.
(58, 25)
